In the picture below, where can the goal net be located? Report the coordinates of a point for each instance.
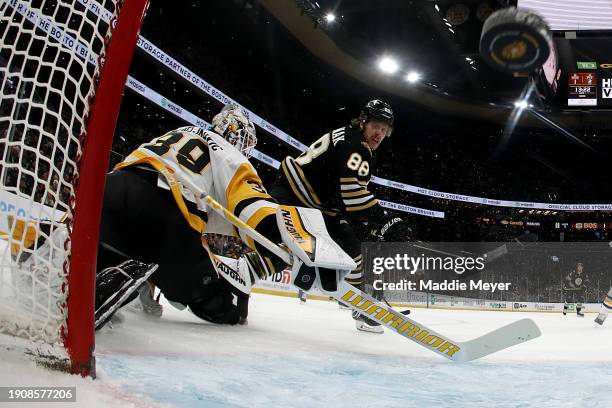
(54, 57)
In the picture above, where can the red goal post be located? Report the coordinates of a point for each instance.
(63, 70)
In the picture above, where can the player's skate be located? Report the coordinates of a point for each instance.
(566, 308)
(362, 323)
(342, 306)
(148, 303)
(579, 312)
(117, 286)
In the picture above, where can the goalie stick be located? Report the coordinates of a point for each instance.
(506, 336)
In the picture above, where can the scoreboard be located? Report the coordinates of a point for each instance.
(588, 73)
(582, 89)
(590, 87)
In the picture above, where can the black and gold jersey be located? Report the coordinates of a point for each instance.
(576, 281)
(333, 175)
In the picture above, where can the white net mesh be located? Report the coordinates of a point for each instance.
(48, 73)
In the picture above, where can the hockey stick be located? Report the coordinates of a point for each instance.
(499, 339)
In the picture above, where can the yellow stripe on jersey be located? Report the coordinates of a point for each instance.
(298, 183)
(355, 193)
(294, 188)
(300, 193)
(347, 180)
(140, 157)
(362, 207)
(244, 184)
(304, 181)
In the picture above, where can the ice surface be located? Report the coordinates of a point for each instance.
(311, 355)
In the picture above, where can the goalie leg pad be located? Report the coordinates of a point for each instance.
(117, 286)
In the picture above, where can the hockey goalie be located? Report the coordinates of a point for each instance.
(154, 216)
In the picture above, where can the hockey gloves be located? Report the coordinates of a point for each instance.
(395, 230)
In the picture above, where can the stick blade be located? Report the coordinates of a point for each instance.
(507, 336)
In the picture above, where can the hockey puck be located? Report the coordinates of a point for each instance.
(515, 41)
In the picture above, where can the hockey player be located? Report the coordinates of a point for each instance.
(332, 175)
(606, 306)
(576, 283)
(153, 220)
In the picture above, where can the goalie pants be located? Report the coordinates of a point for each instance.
(141, 221)
(339, 228)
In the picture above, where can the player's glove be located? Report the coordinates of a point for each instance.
(395, 230)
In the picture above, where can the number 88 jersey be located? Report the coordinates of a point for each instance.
(333, 174)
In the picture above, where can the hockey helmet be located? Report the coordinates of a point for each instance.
(234, 125)
(377, 110)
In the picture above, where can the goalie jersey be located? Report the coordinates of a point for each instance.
(333, 175)
(191, 163)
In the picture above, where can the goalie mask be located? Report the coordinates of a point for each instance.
(234, 125)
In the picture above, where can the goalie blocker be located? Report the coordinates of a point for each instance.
(315, 253)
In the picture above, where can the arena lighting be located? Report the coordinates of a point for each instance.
(388, 65)
(412, 77)
(330, 17)
(437, 7)
(521, 104)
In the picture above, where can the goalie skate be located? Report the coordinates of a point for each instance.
(148, 303)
